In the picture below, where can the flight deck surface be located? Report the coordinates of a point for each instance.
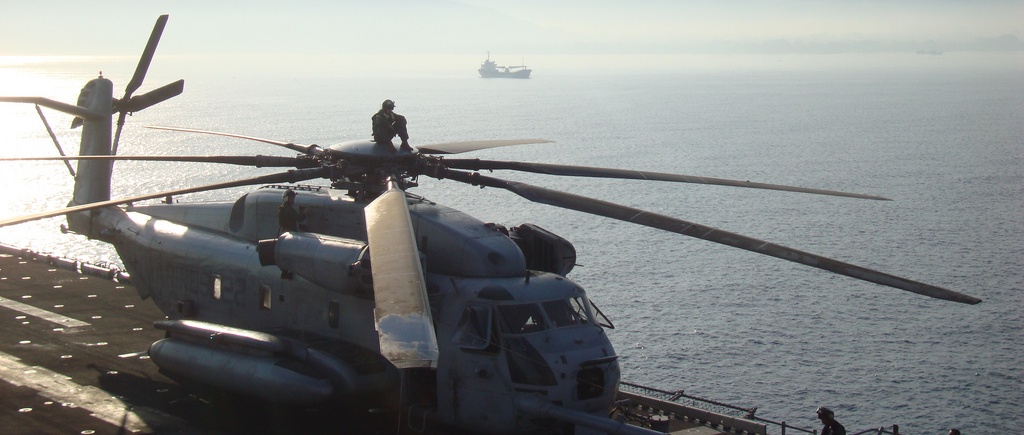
(73, 360)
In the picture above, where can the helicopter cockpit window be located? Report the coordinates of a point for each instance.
(474, 330)
(521, 319)
(566, 312)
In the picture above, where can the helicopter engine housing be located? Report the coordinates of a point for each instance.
(334, 263)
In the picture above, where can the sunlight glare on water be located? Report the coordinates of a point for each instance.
(38, 186)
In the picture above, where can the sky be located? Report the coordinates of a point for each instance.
(519, 27)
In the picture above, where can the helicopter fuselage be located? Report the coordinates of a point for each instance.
(503, 330)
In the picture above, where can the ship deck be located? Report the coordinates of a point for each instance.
(73, 359)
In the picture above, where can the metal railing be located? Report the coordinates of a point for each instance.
(895, 430)
(682, 397)
(736, 411)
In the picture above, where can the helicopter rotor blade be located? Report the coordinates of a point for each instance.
(147, 57)
(158, 95)
(305, 149)
(70, 109)
(402, 312)
(127, 103)
(467, 146)
(587, 171)
(679, 226)
(291, 176)
(257, 161)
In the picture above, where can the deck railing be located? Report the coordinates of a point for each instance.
(736, 411)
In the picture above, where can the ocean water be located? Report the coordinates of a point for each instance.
(943, 136)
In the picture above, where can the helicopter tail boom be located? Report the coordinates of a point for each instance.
(92, 182)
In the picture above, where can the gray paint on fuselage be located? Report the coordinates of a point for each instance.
(174, 263)
(178, 248)
(454, 243)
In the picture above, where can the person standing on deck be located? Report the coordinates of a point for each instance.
(828, 418)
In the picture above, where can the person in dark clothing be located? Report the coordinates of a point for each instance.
(387, 124)
(828, 418)
(287, 217)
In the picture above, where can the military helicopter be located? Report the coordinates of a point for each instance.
(380, 296)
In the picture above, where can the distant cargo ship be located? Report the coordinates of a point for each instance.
(489, 69)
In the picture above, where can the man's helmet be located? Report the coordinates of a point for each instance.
(388, 104)
(289, 194)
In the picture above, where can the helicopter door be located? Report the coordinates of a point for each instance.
(471, 390)
(474, 329)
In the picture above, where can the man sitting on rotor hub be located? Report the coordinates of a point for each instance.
(387, 124)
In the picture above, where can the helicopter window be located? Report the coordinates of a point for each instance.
(474, 330)
(265, 297)
(525, 363)
(566, 312)
(521, 319)
(333, 314)
(216, 287)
